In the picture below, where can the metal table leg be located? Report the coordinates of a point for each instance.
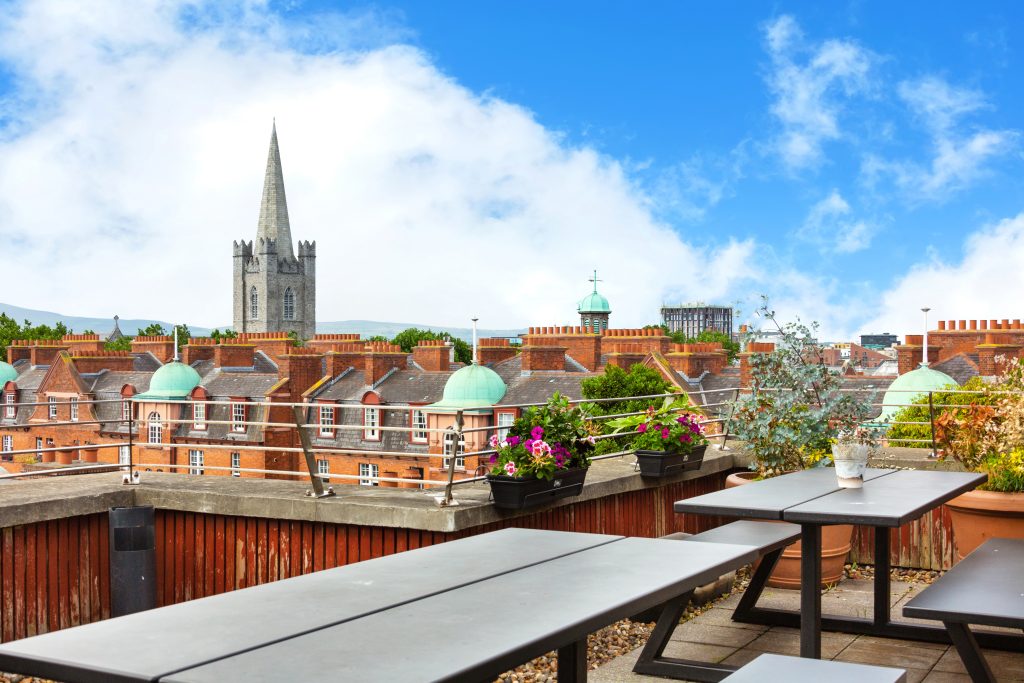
(810, 591)
(882, 585)
(970, 653)
(572, 662)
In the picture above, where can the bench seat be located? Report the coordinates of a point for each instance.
(765, 536)
(769, 667)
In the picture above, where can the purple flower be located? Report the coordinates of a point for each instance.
(642, 427)
(513, 441)
(687, 438)
(664, 433)
(494, 458)
(528, 444)
(681, 419)
(537, 432)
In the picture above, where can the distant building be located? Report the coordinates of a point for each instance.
(878, 342)
(594, 309)
(692, 319)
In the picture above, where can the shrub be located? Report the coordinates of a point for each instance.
(919, 413)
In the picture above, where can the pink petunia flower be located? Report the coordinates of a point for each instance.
(642, 427)
(537, 432)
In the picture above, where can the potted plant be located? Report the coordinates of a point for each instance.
(988, 439)
(668, 440)
(544, 457)
(792, 415)
(850, 454)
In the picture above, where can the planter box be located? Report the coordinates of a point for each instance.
(511, 493)
(665, 463)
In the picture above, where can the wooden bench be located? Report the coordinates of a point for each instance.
(769, 667)
(985, 588)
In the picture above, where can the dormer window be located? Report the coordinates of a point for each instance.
(199, 416)
(371, 424)
(10, 409)
(327, 421)
(126, 411)
(238, 417)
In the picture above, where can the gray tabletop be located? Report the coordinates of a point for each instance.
(769, 498)
(986, 587)
(769, 667)
(889, 501)
(145, 646)
(488, 627)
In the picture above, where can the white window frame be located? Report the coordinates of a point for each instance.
(199, 416)
(460, 458)
(238, 417)
(323, 468)
(196, 461)
(288, 306)
(74, 408)
(39, 445)
(10, 409)
(419, 426)
(154, 428)
(52, 408)
(503, 426)
(368, 469)
(371, 425)
(124, 455)
(236, 464)
(126, 410)
(326, 417)
(8, 443)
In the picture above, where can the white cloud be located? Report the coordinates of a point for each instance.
(809, 84)
(828, 224)
(985, 284)
(134, 155)
(958, 157)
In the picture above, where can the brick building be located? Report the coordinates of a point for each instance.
(964, 348)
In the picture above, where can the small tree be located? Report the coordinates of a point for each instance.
(408, 339)
(618, 383)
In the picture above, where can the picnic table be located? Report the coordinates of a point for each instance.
(812, 499)
(463, 610)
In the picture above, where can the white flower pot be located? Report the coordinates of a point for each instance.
(851, 460)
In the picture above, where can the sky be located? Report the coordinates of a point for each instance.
(854, 161)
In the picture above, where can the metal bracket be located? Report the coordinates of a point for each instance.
(327, 493)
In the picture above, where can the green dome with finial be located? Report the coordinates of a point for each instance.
(474, 386)
(7, 373)
(173, 382)
(594, 302)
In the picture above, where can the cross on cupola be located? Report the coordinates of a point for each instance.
(594, 309)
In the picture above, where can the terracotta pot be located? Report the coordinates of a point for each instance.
(835, 546)
(980, 515)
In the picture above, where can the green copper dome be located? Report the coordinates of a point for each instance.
(474, 386)
(594, 302)
(7, 373)
(173, 382)
(912, 385)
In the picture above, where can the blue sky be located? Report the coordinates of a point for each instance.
(855, 161)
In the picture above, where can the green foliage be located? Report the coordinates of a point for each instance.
(11, 330)
(152, 330)
(378, 338)
(795, 409)
(542, 441)
(919, 413)
(408, 339)
(184, 334)
(707, 336)
(675, 426)
(217, 335)
(618, 383)
(122, 344)
(294, 336)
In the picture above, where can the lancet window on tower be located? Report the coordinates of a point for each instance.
(254, 304)
(289, 304)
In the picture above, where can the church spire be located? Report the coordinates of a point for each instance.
(273, 222)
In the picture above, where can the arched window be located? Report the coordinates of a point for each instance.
(254, 304)
(289, 304)
(156, 429)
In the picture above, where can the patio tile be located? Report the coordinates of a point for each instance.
(1006, 666)
(699, 631)
(723, 617)
(946, 677)
(620, 670)
(786, 641)
(887, 652)
(701, 652)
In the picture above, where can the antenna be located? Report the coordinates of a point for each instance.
(474, 341)
(924, 358)
(175, 343)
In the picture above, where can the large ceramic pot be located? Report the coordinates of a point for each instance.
(835, 546)
(980, 515)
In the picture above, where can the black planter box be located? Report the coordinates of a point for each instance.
(511, 493)
(665, 463)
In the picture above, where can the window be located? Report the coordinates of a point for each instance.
(238, 416)
(8, 443)
(368, 470)
(126, 411)
(124, 455)
(323, 468)
(39, 445)
(195, 462)
(460, 459)
(326, 421)
(254, 304)
(236, 464)
(156, 430)
(199, 416)
(505, 421)
(371, 421)
(74, 409)
(289, 304)
(10, 409)
(419, 426)
(53, 407)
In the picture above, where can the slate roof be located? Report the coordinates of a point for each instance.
(223, 383)
(540, 385)
(408, 386)
(146, 362)
(32, 377)
(960, 367)
(349, 386)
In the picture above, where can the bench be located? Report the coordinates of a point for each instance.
(985, 588)
(769, 667)
(769, 539)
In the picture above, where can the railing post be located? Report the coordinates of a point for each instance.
(307, 452)
(725, 425)
(931, 424)
(456, 433)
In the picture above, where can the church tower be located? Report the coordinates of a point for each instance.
(273, 290)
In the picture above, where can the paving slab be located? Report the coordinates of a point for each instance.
(699, 631)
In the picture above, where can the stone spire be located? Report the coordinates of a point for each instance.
(274, 207)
